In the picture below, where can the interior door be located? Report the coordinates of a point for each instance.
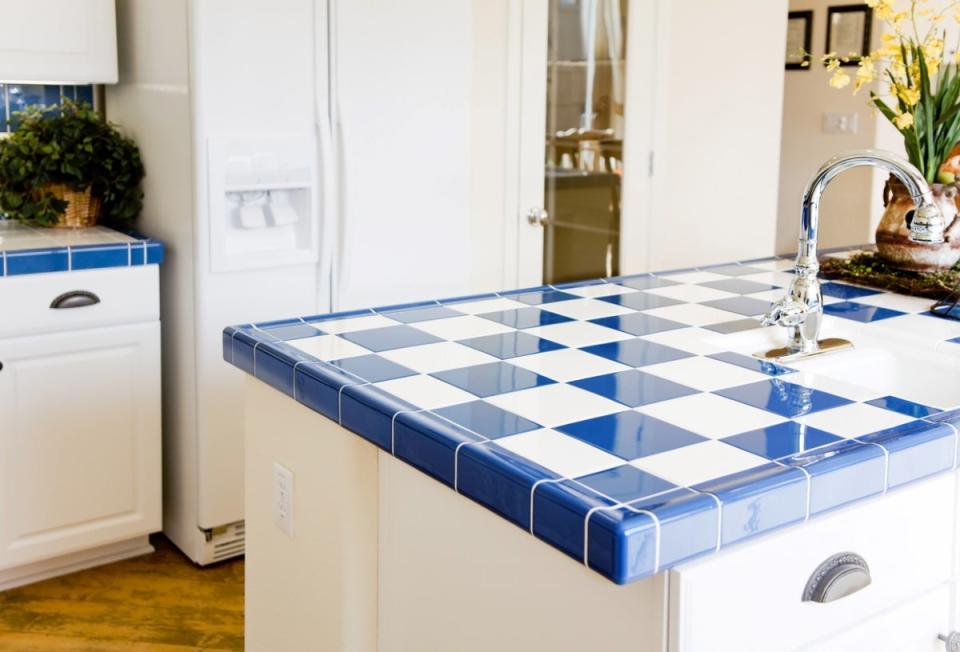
(432, 127)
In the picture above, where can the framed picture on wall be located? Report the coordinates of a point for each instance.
(799, 33)
(848, 32)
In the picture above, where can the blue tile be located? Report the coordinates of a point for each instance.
(295, 331)
(754, 364)
(759, 500)
(782, 440)
(916, 450)
(688, 524)
(486, 419)
(747, 306)
(539, 297)
(499, 480)
(97, 257)
(638, 323)
(372, 368)
(859, 312)
(369, 411)
(37, 262)
(390, 337)
(622, 544)
(637, 352)
(634, 388)
(903, 406)
(735, 326)
(733, 270)
(559, 513)
(511, 345)
(739, 286)
(630, 435)
(313, 390)
(626, 483)
(430, 444)
(841, 473)
(525, 317)
(492, 378)
(787, 399)
(644, 282)
(421, 314)
(955, 340)
(154, 253)
(640, 300)
(842, 291)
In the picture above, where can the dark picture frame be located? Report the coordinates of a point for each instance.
(793, 18)
(841, 41)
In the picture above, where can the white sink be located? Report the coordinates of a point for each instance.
(884, 361)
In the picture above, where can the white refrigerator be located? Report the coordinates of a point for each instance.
(305, 156)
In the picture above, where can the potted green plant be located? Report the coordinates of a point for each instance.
(68, 167)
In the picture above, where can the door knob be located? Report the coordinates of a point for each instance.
(538, 217)
(951, 642)
(837, 577)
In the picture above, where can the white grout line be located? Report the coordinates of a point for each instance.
(533, 491)
(886, 462)
(69, 259)
(129, 254)
(393, 427)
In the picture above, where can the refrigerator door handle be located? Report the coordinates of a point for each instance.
(328, 206)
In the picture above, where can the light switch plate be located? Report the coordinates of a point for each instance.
(283, 498)
(840, 123)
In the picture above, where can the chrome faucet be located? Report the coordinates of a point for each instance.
(801, 310)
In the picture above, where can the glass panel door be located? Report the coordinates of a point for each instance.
(584, 138)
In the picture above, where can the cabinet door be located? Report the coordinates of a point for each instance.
(58, 41)
(79, 440)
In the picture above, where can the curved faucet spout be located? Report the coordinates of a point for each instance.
(927, 225)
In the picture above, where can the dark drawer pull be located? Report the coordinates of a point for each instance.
(75, 299)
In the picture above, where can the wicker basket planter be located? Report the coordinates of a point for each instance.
(83, 209)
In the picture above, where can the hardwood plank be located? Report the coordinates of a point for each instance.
(155, 603)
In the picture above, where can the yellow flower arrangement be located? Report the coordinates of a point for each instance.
(920, 94)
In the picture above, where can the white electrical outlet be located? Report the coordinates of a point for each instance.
(283, 498)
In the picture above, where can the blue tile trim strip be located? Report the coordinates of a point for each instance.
(596, 518)
(64, 259)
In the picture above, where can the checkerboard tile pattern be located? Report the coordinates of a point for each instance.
(608, 417)
(111, 249)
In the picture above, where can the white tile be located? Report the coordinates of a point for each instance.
(694, 277)
(351, 324)
(328, 347)
(555, 405)
(439, 356)
(780, 279)
(832, 386)
(691, 293)
(711, 415)
(694, 314)
(461, 328)
(585, 309)
(900, 302)
(926, 327)
(565, 455)
(425, 391)
(854, 420)
(779, 264)
(578, 334)
(601, 290)
(485, 305)
(565, 365)
(705, 374)
(691, 339)
(768, 295)
(691, 465)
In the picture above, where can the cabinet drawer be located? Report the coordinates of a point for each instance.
(750, 597)
(121, 295)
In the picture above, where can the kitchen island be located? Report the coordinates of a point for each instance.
(601, 464)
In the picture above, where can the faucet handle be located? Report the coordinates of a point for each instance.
(786, 312)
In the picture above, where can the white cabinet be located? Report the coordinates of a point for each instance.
(80, 441)
(58, 41)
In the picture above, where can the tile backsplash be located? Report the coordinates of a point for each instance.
(17, 97)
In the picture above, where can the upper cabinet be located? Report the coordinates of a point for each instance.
(58, 41)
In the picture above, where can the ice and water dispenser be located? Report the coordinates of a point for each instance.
(263, 208)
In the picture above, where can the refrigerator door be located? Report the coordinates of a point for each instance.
(424, 107)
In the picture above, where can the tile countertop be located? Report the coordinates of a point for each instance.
(35, 250)
(606, 418)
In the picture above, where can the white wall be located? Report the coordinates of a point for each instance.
(717, 133)
(852, 204)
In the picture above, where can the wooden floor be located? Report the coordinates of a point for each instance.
(155, 603)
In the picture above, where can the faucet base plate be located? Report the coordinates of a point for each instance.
(786, 354)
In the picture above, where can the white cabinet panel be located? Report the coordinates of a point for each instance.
(58, 41)
(79, 440)
(750, 598)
